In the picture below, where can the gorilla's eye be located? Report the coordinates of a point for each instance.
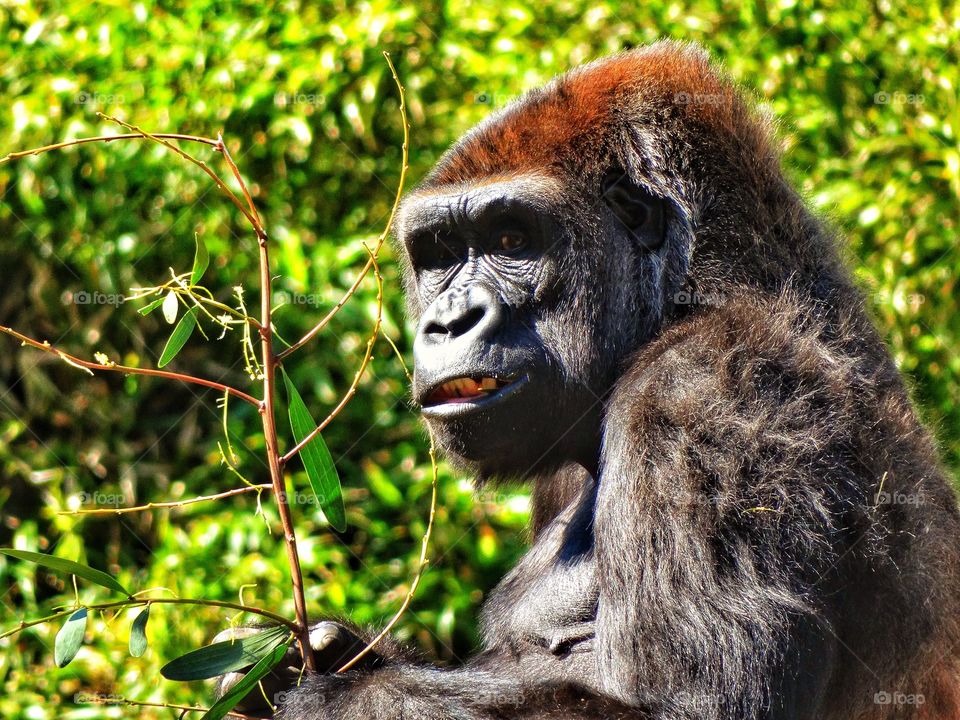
(640, 211)
(511, 242)
(435, 249)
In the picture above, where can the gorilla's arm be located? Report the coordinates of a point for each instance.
(394, 684)
(399, 689)
(735, 441)
(538, 662)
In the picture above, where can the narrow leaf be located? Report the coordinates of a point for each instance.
(178, 338)
(239, 691)
(201, 260)
(170, 307)
(321, 472)
(223, 657)
(67, 566)
(150, 307)
(70, 638)
(138, 633)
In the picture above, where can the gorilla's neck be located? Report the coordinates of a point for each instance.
(552, 493)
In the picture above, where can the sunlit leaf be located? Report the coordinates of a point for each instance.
(201, 260)
(70, 638)
(178, 338)
(138, 633)
(223, 657)
(249, 681)
(67, 566)
(321, 472)
(170, 304)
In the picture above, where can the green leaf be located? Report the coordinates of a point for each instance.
(150, 307)
(224, 657)
(178, 338)
(67, 566)
(321, 472)
(70, 638)
(170, 306)
(138, 633)
(201, 260)
(249, 681)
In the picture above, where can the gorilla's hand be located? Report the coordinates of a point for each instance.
(332, 645)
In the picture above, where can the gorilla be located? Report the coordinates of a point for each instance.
(736, 511)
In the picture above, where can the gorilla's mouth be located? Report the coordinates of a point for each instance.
(464, 389)
(475, 391)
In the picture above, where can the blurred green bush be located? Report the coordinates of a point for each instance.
(867, 101)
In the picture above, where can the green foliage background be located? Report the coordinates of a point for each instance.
(868, 107)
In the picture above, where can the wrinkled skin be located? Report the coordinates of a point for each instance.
(620, 300)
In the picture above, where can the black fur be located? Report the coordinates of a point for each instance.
(737, 513)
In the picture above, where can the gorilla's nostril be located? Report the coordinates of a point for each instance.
(456, 325)
(462, 325)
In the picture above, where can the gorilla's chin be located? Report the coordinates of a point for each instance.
(521, 432)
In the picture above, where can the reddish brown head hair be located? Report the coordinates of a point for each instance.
(576, 119)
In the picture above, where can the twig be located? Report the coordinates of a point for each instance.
(24, 624)
(161, 505)
(383, 236)
(189, 158)
(421, 567)
(222, 148)
(126, 369)
(104, 139)
(113, 700)
(368, 353)
(268, 415)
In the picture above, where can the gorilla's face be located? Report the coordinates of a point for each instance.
(521, 293)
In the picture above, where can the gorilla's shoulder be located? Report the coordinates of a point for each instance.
(759, 364)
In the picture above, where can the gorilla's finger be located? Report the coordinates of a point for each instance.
(262, 697)
(333, 645)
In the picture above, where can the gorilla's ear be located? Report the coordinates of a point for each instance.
(640, 212)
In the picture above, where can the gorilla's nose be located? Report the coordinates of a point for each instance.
(466, 315)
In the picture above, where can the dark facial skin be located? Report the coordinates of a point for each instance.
(485, 264)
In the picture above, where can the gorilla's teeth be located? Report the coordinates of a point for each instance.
(459, 387)
(465, 388)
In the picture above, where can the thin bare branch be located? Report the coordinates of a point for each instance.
(301, 628)
(104, 139)
(368, 354)
(189, 158)
(383, 235)
(115, 700)
(24, 624)
(92, 367)
(421, 566)
(163, 505)
(222, 147)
